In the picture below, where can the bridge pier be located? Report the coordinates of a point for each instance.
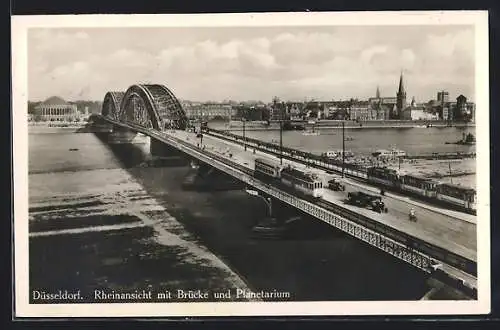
(162, 150)
(121, 135)
(204, 177)
(275, 223)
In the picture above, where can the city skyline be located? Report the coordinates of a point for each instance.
(216, 64)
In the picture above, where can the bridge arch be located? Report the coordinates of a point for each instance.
(138, 107)
(111, 105)
(167, 106)
(152, 106)
(148, 105)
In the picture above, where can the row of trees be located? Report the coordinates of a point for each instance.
(38, 118)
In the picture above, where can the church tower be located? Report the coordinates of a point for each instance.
(400, 98)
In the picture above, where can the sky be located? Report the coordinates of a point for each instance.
(253, 63)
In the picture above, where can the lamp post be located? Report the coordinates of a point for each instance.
(281, 140)
(269, 204)
(343, 147)
(451, 174)
(244, 137)
(268, 200)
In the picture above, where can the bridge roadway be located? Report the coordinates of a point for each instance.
(459, 236)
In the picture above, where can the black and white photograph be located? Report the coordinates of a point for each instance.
(251, 164)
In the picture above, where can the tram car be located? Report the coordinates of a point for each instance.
(461, 196)
(306, 183)
(417, 185)
(267, 170)
(383, 176)
(288, 177)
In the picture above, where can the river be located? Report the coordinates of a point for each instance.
(109, 217)
(364, 141)
(413, 140)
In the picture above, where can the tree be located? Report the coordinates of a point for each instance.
(32, 107)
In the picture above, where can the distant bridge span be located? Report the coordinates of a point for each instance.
(146, 105)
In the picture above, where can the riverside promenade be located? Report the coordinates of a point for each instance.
(237, 125)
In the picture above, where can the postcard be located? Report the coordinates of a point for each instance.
(257, 164)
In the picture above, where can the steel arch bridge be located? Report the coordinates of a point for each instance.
(150, 106)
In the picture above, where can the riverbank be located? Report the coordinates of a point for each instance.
(51, 129)
(84, 128)
(457, 171)
(337, 124)
(116, 238)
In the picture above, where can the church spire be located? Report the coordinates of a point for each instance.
(401, 89)
(377, 95)
(400, 98)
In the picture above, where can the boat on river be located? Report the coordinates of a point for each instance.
(334, 154)
(387, 153)
(311, 131)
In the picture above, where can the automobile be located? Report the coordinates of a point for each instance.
(435, 265)
(336, 185)
(362, 199)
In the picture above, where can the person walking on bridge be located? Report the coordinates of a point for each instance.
(412, 215)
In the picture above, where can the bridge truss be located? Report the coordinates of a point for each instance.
(111, 105)
(150, 106)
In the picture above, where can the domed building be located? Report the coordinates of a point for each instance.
(56, 109)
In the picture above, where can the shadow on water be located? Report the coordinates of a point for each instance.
(312, 261)
(131, 155)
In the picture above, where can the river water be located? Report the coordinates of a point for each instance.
(109, 217)
(364, 141)
(413, 140)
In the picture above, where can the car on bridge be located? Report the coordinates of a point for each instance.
(362, 199)
(335, 185)
(435, 265)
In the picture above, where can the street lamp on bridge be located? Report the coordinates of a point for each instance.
(343, 148)
(243, 119)
(281, 115)
(281, 139)
(268, 200)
